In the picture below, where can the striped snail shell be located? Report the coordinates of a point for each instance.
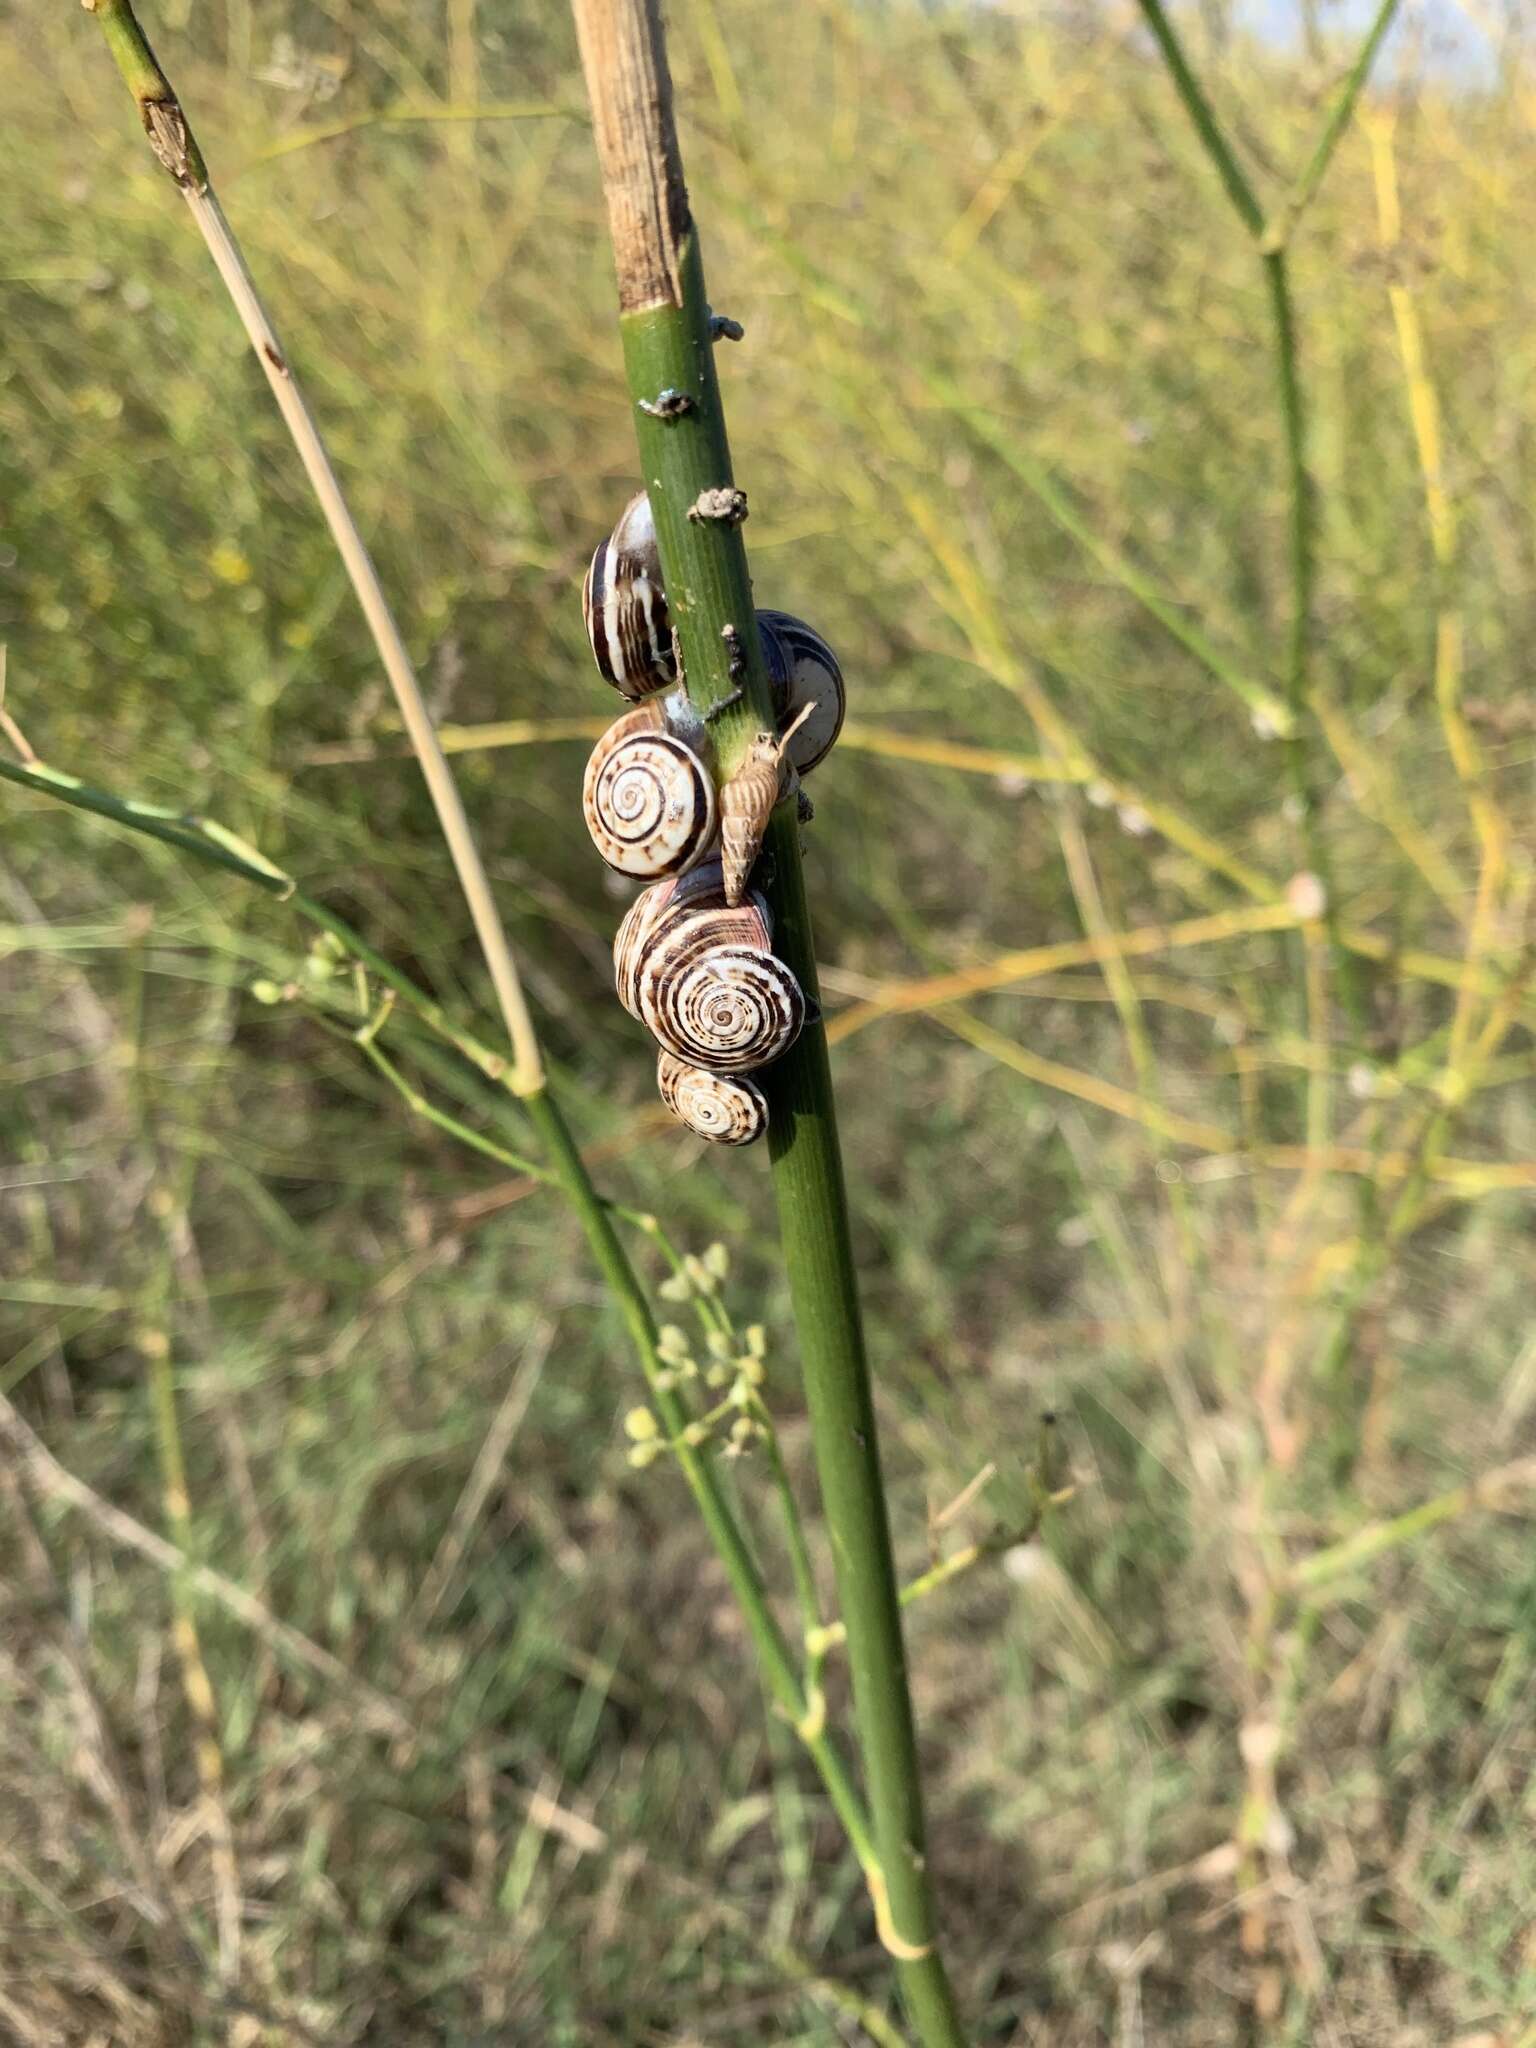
(654, 909)
(803, 670)
(648, 799)
(728, 1109)
(625, 607)
(709, 988)
(629, 941)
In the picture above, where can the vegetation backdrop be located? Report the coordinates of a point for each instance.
(1240, 1749)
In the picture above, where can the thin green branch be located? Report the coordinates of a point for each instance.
(1203, 119)
(1339, 117)
(569, 1172)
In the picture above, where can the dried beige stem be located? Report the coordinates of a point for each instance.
(630, 87)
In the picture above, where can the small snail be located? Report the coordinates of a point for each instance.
(803, 670)
(648, 799)
(625, 607)
(728, 1109)
(747, 801)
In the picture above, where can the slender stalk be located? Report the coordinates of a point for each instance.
(1270, 241)
(1338, 120)
(667, 341)
(703, 1482)
(173, 143)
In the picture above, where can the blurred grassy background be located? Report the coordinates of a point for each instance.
(971, 250)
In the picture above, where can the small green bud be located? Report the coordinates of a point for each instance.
(671, 1343)
(695, 1434)
(720, 1345)
(267, 992)
(677, 1287)
(664, 1381)
(757, 1340)
(743, 1429)
(752, 1371)
(698, 1275)
(641, 1455)
(640, 1424)
(717, 1376)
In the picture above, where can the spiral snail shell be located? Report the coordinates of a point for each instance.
(728, 1109)
(702, 978)
(648, 799)
(724, 1006)
(803, 671)
(625, 607)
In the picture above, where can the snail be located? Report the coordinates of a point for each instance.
(648, 798)
(747, 801)
(803, 670)
(728, 1109)
(701, 976)
(625, 607)
(719, 1004)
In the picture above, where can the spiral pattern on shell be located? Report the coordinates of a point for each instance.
(625, 606)
(802, 669)
(713, 994)
(648, 800)
(727, 1109)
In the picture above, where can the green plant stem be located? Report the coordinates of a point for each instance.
(1270, 243)
(669, 348)
(1338, 120)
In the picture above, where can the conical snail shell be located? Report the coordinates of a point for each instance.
(728, 1109)
(625, 606)
(648, 799)
(710, 990)
(802, 669)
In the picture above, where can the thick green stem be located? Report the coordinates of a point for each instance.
(669, 349)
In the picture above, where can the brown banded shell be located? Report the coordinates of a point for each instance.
(629, 941)
(803, 670)
(727, 1109)
(648, 799)
(711, 991)
(653, 910)
(625, 607)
